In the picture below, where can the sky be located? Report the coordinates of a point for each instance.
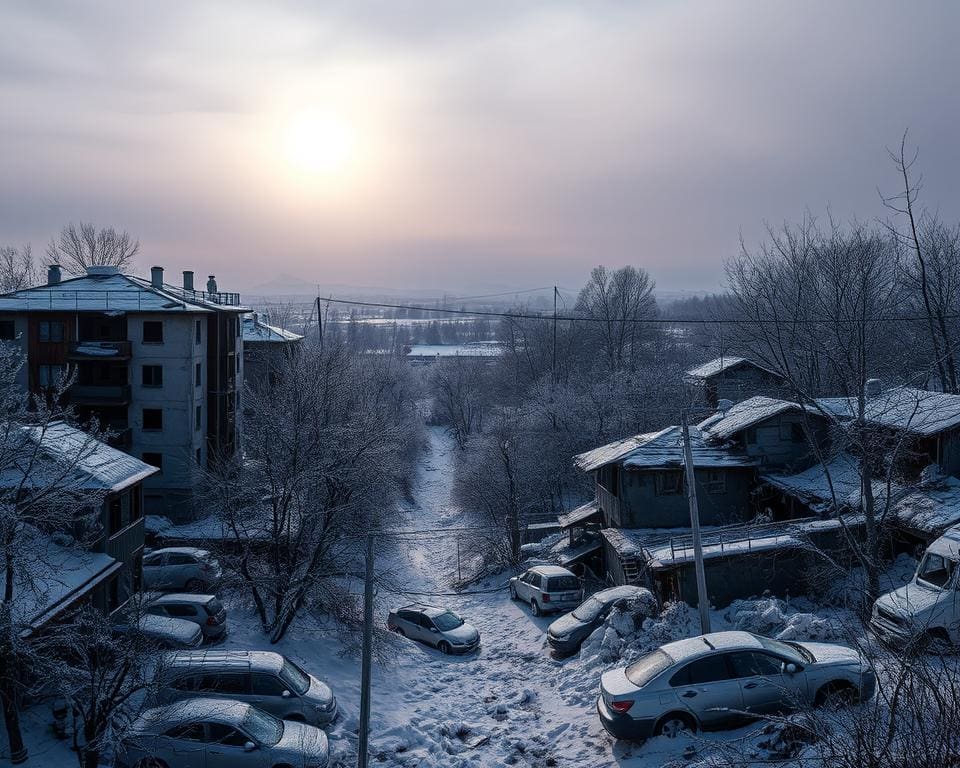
(465, 145)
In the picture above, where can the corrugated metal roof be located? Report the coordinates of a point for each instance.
(906, 408)
(663, 449)
(813, 485)
(746, 414)
(578, 515)
(255, 330)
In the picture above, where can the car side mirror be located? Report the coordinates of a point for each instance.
(285, 694)
(434, 630)
(249, 746)
(790, 668)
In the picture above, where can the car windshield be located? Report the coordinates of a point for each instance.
(648, 667)
(796, 653)
(588, 610)
(935, 571)
(447, 620)
(296, 678)
(214, 607)
(562, 583)
(263, 728)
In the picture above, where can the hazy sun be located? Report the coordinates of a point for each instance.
(319, 143)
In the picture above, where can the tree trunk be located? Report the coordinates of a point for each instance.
(11, 719)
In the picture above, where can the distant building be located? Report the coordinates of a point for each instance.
(425, 354)
(264, 346)
(732, 378)
(158, 365)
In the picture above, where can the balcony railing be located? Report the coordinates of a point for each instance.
(122, 544)
(100, 394)
(99, 350)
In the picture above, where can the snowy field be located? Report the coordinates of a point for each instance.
(512, 703)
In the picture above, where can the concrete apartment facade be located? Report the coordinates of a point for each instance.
(160, 366)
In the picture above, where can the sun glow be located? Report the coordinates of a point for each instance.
(319, 143)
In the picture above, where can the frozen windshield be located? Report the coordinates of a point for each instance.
(263, 728)
(935, 571)
(447, 621)
(795, 653)
(562, 584)
(296, 678)
(648, 667)
(589, 610)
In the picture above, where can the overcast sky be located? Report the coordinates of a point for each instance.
(464, 145)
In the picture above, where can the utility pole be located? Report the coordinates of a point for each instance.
(364, 734)
(702, 601)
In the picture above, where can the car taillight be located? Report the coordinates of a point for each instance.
(206, 567)
(211, 621)
(546, 598)
(620, 706)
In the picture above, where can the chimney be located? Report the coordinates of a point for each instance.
(872, 388)
(53, 274)
(212, 284)
(156, 277)
(187, 280)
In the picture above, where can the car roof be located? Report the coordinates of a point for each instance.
(551, 570)
(196, 551)
(191, 710)
(947, 545)
(181, 597)
(691, 647)
(618, 593)
(261, 661)
(168, 625)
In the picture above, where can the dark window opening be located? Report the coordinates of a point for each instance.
(669, 483)
(198, 373)
(153, 332)
(153, 419)
(153, 375)
(51, 330)
(199, 460)
(115, 511)
(7, 330)
(154, 460)
(198, 421)
(198, 332)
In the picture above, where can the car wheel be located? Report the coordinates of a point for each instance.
(151, 762)
(836, 695)
(675, 724)
(444, 647)
(513, 593)
(193, 585)
(535, 608)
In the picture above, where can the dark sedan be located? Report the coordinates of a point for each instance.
(567, 633)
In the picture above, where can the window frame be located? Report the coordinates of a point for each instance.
(152, 324)
(153, 368)
(661, 488)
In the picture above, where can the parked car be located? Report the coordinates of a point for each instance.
(725, 678)
(186, 568)
(204, 610)
(219, 733)
(547, 588)
(924, 612)
(267, 680)
(567, 633)
(442, 629)
(165, 631)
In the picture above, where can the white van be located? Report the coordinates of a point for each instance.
(927, 610)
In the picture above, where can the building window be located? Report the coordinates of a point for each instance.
(115, 513)
(153, 419)
(199, 460)
(669, 483)
(153, 332)
(7, 330)
(198, 373)
(198, 332)
(796, 433)
(237, 357)
(716, 481)
(51, 330)
(154, 460)
(138, 573)
(752, 436)
(153, 375)
(198, 421)
(49, 375)
(136, 504)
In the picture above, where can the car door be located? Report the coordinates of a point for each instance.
(521, 586)
(266, 693)
(153, 567)
(409, 622)
(707, 688)
(427, 633)
(180, 569)
(225, 749)
(227, 685)
(766, 688)
(183, 745)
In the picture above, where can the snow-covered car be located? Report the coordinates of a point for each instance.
(925, 612)
(219, 733)
(547, 588)
(164, 631)
(723, 679)
(187, 568)
(204, 610)
(567, 633)
(439, 627)
(265, 679)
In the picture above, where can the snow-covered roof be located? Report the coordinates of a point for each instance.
(930, 510)
(469, 349)
(697, 646)
(663, 449)
(551, 570)
(73, 459)
(813, 485)
(255, 330)
(578, 515)
(111, 291)
(748, 413)
(906, 408)
(721, 365)
(948, 544)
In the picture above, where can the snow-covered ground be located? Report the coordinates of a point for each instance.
(512, 703)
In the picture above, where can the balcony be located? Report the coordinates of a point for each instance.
(123, 543)
(100, 394)
(99, 350)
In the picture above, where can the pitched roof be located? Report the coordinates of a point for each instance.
(578, 515)
(255, 330)
(930, 510)
(721, 365)
(913, 410)
(746, 414)
(813, 488)
(107, 290)
(662, 449)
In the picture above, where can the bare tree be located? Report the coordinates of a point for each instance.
(459, 395)
(83, 245)
(17, 268)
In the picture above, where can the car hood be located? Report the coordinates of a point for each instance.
(301, 743)
(465, 633)
(615, 683)
(829, 653)
(319, 693)
(565, 625)
(910, 600)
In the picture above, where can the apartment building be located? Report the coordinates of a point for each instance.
(158, 365)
